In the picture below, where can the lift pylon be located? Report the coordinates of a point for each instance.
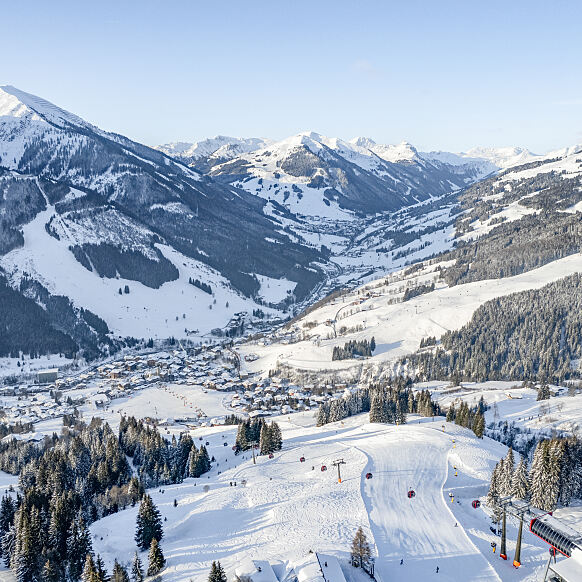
(338, 463)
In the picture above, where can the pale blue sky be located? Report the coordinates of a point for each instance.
(441, 74)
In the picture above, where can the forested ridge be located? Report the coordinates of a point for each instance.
(530, 335)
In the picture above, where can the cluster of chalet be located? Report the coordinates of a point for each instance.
(267, 397)
(211, 367)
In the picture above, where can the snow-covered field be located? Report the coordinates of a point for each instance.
(281, 508)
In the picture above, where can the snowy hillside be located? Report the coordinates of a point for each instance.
(378, 310)
(281, 509)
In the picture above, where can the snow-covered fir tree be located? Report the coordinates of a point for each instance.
(148, 523)
(156, 560)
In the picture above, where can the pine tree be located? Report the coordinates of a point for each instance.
(378, 408)
(241, 442)
(494, 493)
(360, 548)
(7, 510)
(520, 481)
(265, 440)
(323, 414)
(451, 413)
(554, 472)
(543, 392)
(538, 476)
(8, 545)
(217, 573)
(89, 572)
(507, 473)
(156, 560)
(51, 574)
(479, 425)
(276, 436)
(200, 463)
(25, 560)
(148, 523)
(101, 570)
(78, 547)
(119, 573)
(137, 574)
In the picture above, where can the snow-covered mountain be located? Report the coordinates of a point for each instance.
(86, 213)
(209, 152)
(311, 174)
(501, 300)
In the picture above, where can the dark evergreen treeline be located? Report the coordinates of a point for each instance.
(363, 348)
(340, 408)
(531, 335)
(35, 322)
(385, 403)
(110, 261)
(232, 419)
(555, 476)
(25, 326)
(266, 436)
(158, 461)
(472, 418)
(201, 285)
(411, 292)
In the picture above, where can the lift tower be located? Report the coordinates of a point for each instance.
(338, 463)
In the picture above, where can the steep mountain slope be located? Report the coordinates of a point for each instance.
(113, 205)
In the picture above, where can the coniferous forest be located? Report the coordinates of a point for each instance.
(70, 481)
(385, 403)
(531, 335)
(555, 476)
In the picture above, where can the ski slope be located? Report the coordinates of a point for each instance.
(420, 530)
(281, 508)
